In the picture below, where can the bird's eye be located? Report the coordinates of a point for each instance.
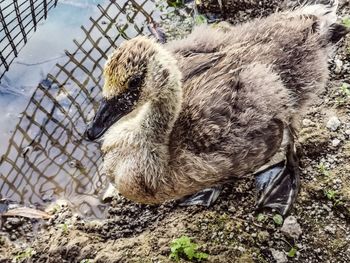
(134, 83)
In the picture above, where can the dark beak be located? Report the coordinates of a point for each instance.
(103, 119)
(107, 114)
(111, 110)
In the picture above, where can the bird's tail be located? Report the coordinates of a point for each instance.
(326, 11)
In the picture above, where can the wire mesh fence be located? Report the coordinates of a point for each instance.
(18, 19)
(48, 156)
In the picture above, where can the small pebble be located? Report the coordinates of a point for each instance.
(330, 229)
(109, 193)
(335, 142)
(337, 181)
(333, 123)
(338, 65)
(263, 236)
(291, 227)
(279, 256)
(307, 123)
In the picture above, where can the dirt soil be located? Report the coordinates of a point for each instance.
(231, 230)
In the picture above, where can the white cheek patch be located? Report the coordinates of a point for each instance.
(125, 129)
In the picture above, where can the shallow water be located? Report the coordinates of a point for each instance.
(49, 95)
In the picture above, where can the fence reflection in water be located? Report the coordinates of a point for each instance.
(48, 157)
(18, 18)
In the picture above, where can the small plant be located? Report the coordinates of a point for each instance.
(278, 219)
(85, 261)
(344, 97)
(200, 20)
(292, 252)
(64, 228)
(323, 170)
(26, 254)
(56, 209)
(344, 90)
(331, 194)
(175, 3)
(346, 22)
(335, 197)
(261, 217)
(183, 247)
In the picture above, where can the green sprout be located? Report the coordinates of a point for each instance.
(26, 254)
(334, 196)
(183, 247)
(64, 228)
(292, 252)
(346, 22)
(278, 219)
(344, 95)
(261, 217)
(200, 19)
(175, 3)
(323, 170)
(331, 194)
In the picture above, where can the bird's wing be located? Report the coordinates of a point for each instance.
(237, 114)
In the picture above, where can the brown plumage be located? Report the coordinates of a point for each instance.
(211, 107)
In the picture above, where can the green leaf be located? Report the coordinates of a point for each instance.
(261, 217)
(174, 248)
(189, 252)
(346, 22)
(344, 89)
(201, 256)
(200, 19)
(184, 247)
(175, 3)
(278, 219)
(174, 256)
(331, 194)
(323, 170)
(292, 252)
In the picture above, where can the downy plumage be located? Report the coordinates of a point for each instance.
(212, 107)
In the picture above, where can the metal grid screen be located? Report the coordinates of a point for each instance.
(48, 156)
(18, 19)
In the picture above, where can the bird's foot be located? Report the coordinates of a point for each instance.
(278, 185)
(205, 197)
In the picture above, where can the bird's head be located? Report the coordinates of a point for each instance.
(134, 74)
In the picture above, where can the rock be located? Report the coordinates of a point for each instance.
(291, 227)
(327, 208)
(307, 123)
(279, 256)
(335, 142)
(337, 181)
(338, 65)
(14, 221)
(330, 229)
(333, 123)
(263, 236)
(110, 192)
(241, 249)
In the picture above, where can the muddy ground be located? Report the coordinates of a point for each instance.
(231, 230)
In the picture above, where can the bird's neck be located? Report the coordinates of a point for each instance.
(161, 114)
(137, 149)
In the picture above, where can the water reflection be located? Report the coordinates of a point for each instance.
(18, 19)
(47, 157)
